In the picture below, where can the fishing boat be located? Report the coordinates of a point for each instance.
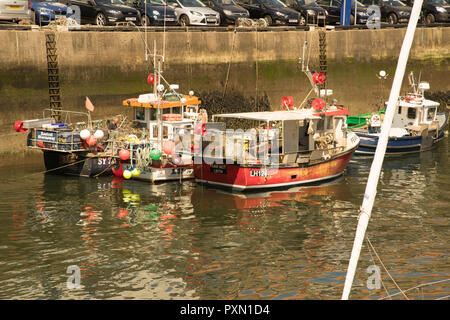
(276, 149)
(158, 145)
(417, 125)
(159, 149)
(72, 143)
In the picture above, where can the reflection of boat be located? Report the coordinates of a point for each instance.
(417, 126)
(205, 197)
(279, 148)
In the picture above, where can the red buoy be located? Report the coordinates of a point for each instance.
(119, 171)
(319, 78)
(318, 104)
(287, 101)
(151, 79)
(18, 126)
(124, 154)
(91, 141)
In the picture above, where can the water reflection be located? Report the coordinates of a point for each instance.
(171, 241)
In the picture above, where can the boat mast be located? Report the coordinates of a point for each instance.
(372, 182)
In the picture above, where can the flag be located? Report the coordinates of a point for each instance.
(89, 105)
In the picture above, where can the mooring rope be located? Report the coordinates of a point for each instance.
(373, 261)
(379, 259)
(418, 286)
(229, 64)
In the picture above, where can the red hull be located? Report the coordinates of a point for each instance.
(244, 177)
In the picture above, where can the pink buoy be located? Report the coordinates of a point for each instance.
(169, 147)
(124, 154)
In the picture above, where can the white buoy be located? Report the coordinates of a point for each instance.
(99, 134)
(84, 134)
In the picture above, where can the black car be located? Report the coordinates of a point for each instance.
(229, 10)
(434, 10)
(154, 12)
(273, 11)
(333, 8)
(310, 12)
(104, 12)
(392, 11)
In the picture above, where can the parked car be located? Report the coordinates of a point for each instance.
(154, 12)
(310, 12)
(274, 11)
(43, 12)
(392, 11)
(194, 12)
(434, 10)
(104, 12)
(15, 10)
(229, 10)
(333, 8)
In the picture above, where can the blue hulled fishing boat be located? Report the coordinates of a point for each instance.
(417, 125)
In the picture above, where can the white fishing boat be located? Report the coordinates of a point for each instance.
(417, 125)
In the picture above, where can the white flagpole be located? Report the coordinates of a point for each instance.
(374, 175)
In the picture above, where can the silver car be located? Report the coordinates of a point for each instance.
(194, 12)
(15, 10)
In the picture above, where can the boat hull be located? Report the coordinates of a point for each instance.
(160, 174)
(244, 178)
(77, 164)
(397, 145)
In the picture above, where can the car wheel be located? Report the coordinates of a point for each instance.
(430, 18)
(100, 19)
(392, 18)
(268, 20)
(302, 20)
(184, 21)
(145, 21)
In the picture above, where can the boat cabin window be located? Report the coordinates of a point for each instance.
(329, 123)
(431, 114)
(412, 113)
(320, 124)
(165, 132)
(139, 114)
(399, 110)
(172, 110)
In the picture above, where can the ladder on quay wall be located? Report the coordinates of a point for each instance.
(323, 67)
(53, 74)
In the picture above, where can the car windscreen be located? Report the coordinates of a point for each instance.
(226, 2)
(441, 2)
(109, 2)
(155, 2)
(191, 3)
(394, 3)
(274, 3)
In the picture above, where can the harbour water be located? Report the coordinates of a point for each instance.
(135, 240)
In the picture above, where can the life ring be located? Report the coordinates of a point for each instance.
(18, 126)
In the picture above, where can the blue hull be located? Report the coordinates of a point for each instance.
(408, 144)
